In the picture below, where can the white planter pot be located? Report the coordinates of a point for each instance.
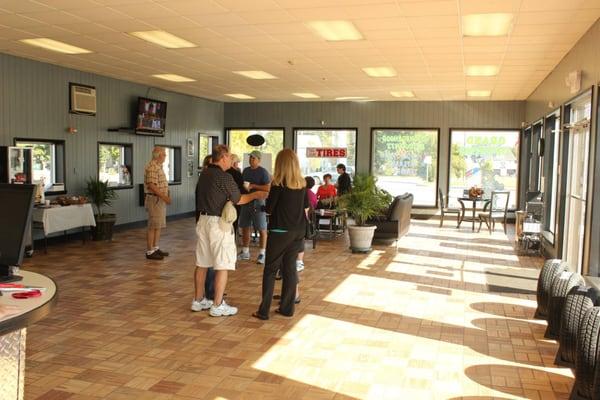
(361, 237)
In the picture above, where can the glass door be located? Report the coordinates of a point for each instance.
(576, 193)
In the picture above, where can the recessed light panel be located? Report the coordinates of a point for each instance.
(487, 24)
(163, 39)
(335, 31)
(307, 95)
(240, 96)
(481, 70)
(403, 93)
(255, 74)
(173, 78)
(55, 45)
(380, 72)
(352, 98)
(479, 93)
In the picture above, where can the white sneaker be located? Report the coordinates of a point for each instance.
(222, 310)
(201, 305)
(260, 259)
(243, 256)
(299, 265)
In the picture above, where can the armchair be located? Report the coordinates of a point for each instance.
(395, 224)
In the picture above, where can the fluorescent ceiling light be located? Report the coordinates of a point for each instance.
(255, 74)
(55, 45)
(486, 24)
(307, 95)
(380, 72)
(335, 31)
(352, 98)
(482, 70)
(174, 78)
(240, 96)
(403, 93)
(164, 39)
(479, 93)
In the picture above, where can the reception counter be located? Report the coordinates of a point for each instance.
(13, 332)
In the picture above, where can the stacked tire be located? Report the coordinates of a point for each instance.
(588, 344)
(579, 300)
(561, 285)
(550, 270)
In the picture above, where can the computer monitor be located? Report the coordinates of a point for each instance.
(16, 204)
(533, 196)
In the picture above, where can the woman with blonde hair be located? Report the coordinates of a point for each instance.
(286, 205)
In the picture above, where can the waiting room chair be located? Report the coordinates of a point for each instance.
(444, 209)
(396, 223)
(495, 210)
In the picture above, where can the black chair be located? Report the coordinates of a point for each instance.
(495, 210)
(396, 223)
(444, 209)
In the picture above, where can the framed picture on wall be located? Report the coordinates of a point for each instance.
(190, 168)
(190, 147)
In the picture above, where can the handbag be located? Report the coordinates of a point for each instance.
(310, 232)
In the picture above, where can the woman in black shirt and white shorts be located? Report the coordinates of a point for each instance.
(286, 204)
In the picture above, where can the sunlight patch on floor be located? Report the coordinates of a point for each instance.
(370, 363)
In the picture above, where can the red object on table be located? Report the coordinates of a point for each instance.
(27, 295)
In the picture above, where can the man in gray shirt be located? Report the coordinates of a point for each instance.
(216, 244)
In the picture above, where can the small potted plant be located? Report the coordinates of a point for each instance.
(365, 201)
(101, 196)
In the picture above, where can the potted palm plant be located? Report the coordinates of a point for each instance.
(100, 196)
(365, 201)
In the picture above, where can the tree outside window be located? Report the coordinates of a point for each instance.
(273, 142)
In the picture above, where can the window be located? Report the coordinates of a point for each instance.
(485, 158)
(172, 164)
(405, 160)
(48, 162)
(115, 161)
(551, 158)
(315, 162)
(236, 138)
(205, 146)
(535, 164)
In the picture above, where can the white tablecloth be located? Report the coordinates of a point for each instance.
(59, 219)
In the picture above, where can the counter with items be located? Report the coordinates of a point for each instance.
(22, 303)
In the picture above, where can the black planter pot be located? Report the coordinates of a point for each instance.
(104, 227)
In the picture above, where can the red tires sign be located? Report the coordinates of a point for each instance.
(326, 152)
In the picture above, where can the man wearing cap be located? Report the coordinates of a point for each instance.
(253, 214)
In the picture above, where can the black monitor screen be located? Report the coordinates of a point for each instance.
(16, 203)
(151, 116)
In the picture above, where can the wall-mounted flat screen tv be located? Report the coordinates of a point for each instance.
(151, 117)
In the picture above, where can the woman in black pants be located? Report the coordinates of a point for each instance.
(286, 204)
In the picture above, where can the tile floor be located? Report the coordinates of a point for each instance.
(448, 316)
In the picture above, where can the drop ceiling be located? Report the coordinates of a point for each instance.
(420, 40)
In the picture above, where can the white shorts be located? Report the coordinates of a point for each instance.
(214, 247)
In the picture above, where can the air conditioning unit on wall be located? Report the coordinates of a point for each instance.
(82, 99)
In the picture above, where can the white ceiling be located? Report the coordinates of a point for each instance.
(420, 39)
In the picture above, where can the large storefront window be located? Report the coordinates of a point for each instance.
(321, 150)
(236, 138)
(551, 158)
(405, 160)
(487, 159)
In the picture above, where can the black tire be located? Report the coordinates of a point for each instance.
(549, 271)
(578, 301)
(561, 285)
(587, 354)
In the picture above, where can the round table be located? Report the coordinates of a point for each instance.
(474, 201)
(13, 332)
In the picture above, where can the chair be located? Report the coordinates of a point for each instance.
(444, 209)
(395, 224)
(495, 210)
